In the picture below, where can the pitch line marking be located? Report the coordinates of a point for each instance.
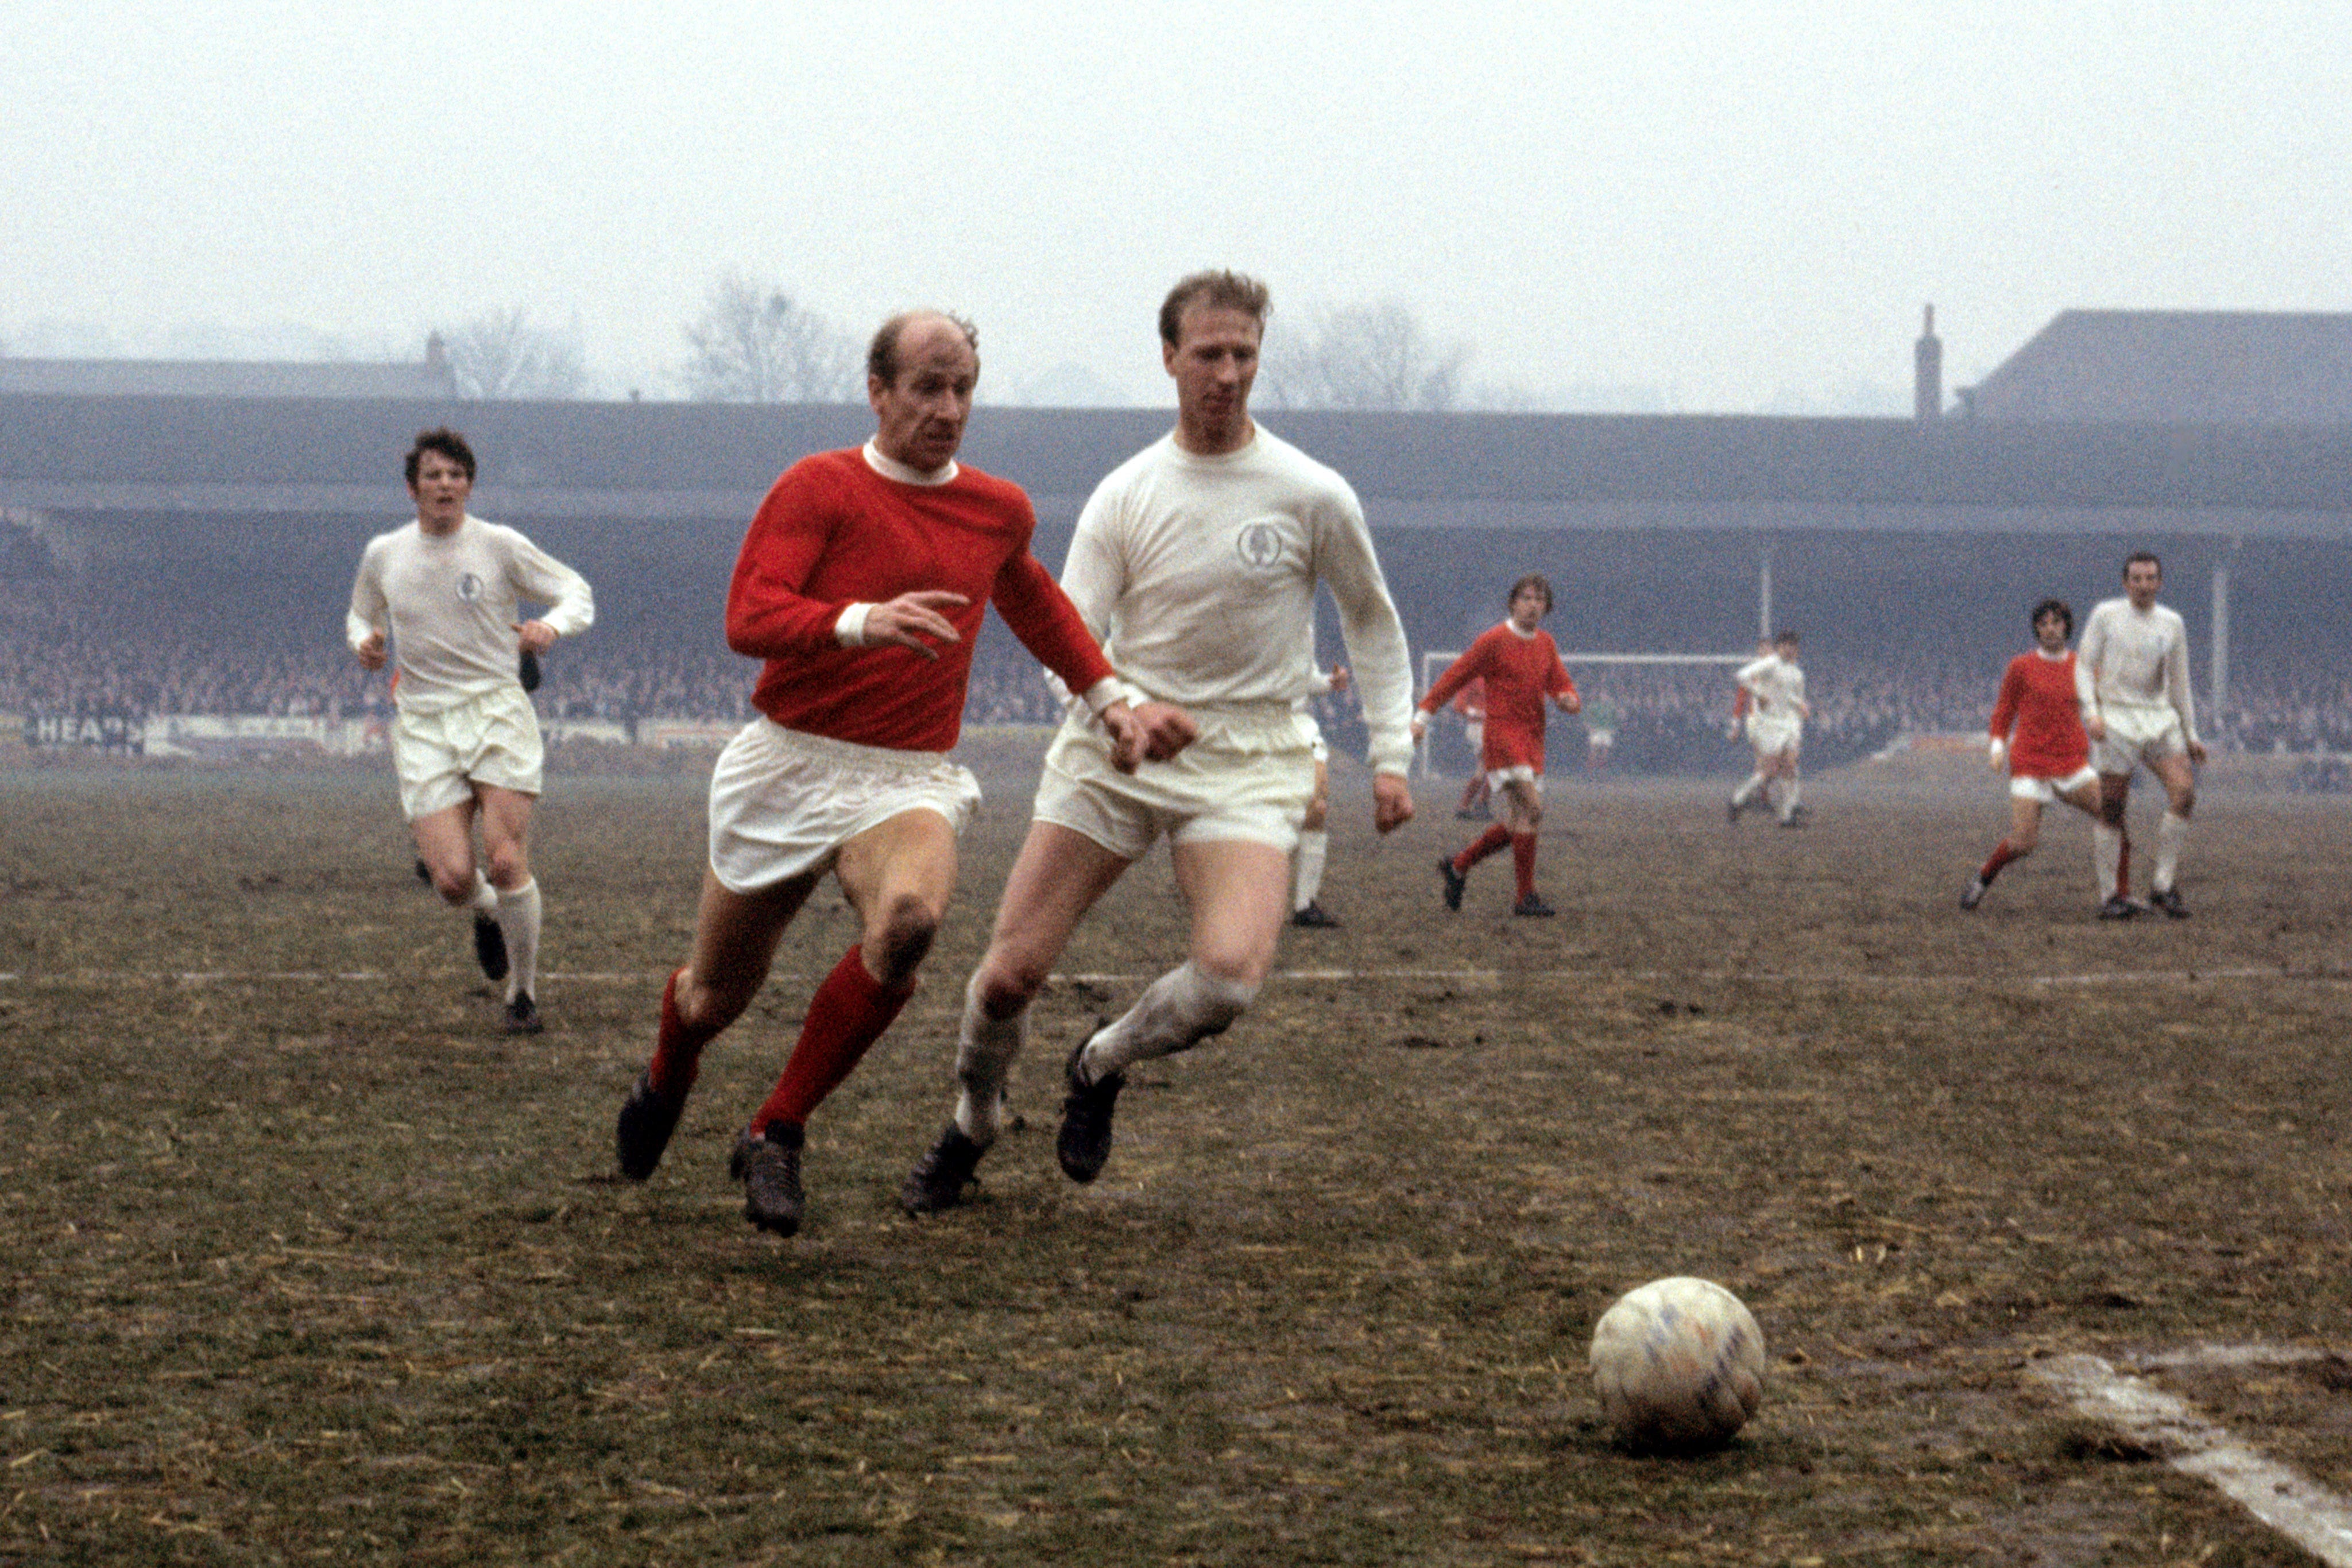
(2282, 1498)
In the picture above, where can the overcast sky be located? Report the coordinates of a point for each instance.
(1696, 207)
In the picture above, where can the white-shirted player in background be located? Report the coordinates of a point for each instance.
(1196, 562)
(466, 743)
(1314, 833)
(1776, 711)
(2131, 668)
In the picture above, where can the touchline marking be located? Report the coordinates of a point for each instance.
(2304, 1511)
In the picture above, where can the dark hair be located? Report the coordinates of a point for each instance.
(882, 353)
(2142, 555)
(2057, 607)
(1785, 635)
(448, 444)
(1218, 288)
(1536, 581)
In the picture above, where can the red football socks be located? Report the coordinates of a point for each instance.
(677, 1050)
(845, 1017)
(1493, 839)
(1523, 861)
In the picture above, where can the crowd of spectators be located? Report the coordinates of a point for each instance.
(66, 651)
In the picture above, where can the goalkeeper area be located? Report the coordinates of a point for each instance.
(1435, 664)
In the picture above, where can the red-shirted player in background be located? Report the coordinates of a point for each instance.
(1520, 664)
(2037, 729)
(861, 584)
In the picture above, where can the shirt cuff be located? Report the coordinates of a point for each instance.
(1103, 693)
(849, 631)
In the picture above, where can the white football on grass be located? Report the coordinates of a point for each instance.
(1679, 1364)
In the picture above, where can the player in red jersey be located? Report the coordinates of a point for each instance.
(861, 584)
(1521, 667)
(2037, 731)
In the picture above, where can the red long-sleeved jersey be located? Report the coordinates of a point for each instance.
(2037, 695)
(832, 532)
(1520, 673)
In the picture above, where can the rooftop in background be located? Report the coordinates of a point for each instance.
(2177, 367)
(425, 378)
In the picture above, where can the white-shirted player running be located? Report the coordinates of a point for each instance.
(2132, 670)
(1776, 711)
(1196, 562)
(465, 744)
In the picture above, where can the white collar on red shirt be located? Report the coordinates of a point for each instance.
(891, 468)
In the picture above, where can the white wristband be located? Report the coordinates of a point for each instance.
(850, 630)
(1103, 693)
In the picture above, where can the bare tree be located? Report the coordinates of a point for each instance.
(754, 344)
(502, 355)
(1364, 356)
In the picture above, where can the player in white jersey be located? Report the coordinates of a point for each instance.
(465, 745)
(1314, 834)
(2131, 670)
(1196, 562)
(1776, 711)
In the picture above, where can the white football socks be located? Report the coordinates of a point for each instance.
(985, 1047)
(518, 922)
(2107, 859)
(1176, 1011)
(1307, 880)
(2171, 833)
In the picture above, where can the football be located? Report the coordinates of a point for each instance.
(1679, 1364)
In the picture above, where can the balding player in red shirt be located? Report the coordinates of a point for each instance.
(861, 585)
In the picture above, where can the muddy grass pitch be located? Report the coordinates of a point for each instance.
(301, 1261)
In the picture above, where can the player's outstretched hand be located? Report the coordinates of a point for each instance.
(1340, 677)
(1996, 753)
(534, 636)
(1420, 725)
(370, 653)
(1392, 802)
(1569, 701)
(913, 621)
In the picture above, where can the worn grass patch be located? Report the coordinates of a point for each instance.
(325, 1269)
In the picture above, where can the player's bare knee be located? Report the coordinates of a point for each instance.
(1006, 986)
(455, 886)
(901, 939)
(2183, 802)
(506, 865)
(711, 1005)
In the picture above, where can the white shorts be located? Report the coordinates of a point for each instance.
(2138, 735)
(1225, 786)
(440, 757)
(1474, 731)
(1771, 736)
(784, 803)
(1520, 774)
(2050, 791)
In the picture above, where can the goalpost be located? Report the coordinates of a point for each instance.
(1434, 664)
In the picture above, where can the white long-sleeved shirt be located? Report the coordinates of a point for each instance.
(1198, 575)
(2135, 659)
(1777, 686)
(449, 602)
